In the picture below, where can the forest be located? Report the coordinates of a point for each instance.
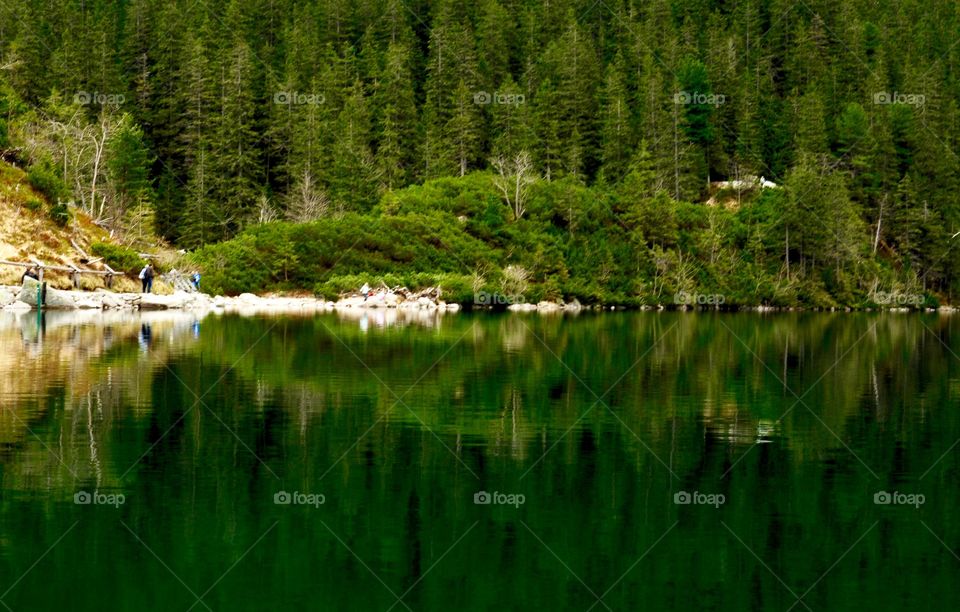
(770, 151)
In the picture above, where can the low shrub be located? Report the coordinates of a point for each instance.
(120, 258)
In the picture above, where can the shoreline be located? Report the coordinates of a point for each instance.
(15, 298)
(24, 298)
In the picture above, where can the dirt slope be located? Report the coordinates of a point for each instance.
(26, 233)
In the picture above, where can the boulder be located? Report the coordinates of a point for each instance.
(111, 301)
(350, 302)
(377, 300)
(152, 301)
(8, 295)
(18, 306)
(55, 299)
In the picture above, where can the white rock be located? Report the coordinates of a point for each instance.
(350, 302)
(89, 303)
(522, 307)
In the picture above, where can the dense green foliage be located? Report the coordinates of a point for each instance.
(45, 180)
(118, 257)
(573, 242)
(219, 115)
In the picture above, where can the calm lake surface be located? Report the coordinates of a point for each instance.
(629, 461)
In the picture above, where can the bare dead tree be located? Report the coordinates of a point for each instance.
(513, 180)
(307, 202)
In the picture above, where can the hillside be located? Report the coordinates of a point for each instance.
(27, 230)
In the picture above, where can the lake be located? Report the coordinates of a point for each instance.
(616, 461)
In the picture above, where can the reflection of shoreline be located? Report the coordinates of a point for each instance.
(54, 319)
(33, 326)
(381, 318)
(85, 364)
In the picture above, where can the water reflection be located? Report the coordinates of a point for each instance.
(400, 419)
(382, 318)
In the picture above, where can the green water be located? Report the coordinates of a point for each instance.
(588, 429)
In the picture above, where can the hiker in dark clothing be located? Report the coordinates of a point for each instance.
(146, 278)
(32, 273)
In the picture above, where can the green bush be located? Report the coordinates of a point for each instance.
(120, 258)
(336, 286)
(60, 214)
(33, 204)
(234, 267)
(43, 178)
(576, 242)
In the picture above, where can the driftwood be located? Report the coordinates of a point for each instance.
(431, 293)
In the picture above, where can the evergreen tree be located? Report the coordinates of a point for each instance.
(398, 141)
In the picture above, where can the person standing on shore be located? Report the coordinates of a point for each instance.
(32, 273)
(146, 279)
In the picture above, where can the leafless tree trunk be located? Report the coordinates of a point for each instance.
(876, 238)
(513, 180)
(308, 203)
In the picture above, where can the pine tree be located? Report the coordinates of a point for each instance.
(354, 176)
(616, 137)
(511, 121)
(235, 147)
(463, 128)
(397, 137)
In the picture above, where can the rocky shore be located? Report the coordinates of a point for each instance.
(25, 298)
(15, 298)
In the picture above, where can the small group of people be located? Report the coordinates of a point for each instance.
(32, 272)
(146, 278)
(147, 274)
